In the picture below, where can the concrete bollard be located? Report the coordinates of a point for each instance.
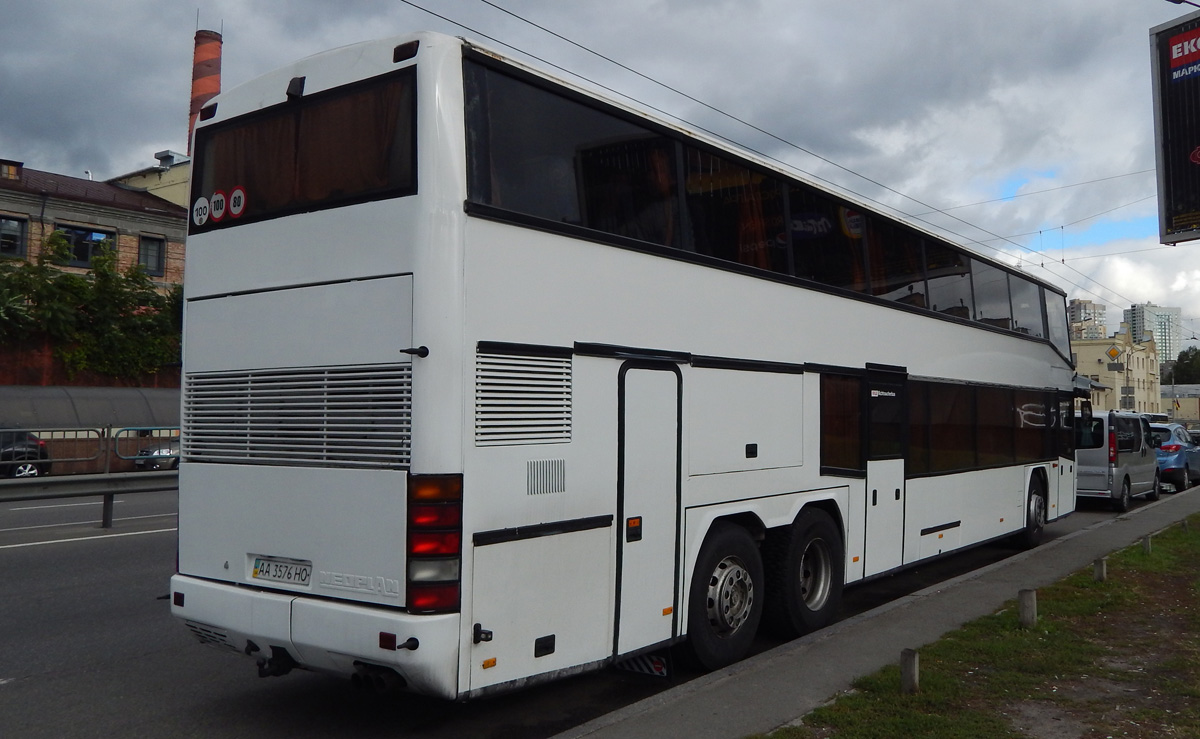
(1100, 569)
(1185, 527)
(910, 671)
(1027, 608)
(1146, 545)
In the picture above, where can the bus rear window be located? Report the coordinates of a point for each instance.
(354, 144)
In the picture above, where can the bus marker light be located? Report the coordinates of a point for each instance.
(436, 597)
(435, 516)
(668, 610)
(855, 559)
(489, 662)
(435, 487)
(435, 543)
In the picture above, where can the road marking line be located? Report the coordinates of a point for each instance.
(85, 523)
(60, 505)
(84, 538)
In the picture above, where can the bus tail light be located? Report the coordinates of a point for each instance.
(434, 543)
(1112, 447)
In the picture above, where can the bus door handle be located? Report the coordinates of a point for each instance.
(874, 497)
(897, 493)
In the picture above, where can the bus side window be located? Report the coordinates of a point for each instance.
(826, 240)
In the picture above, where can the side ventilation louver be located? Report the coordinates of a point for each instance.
(522, 399)
(306, 417)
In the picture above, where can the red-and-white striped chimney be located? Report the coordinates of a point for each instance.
(206, 75)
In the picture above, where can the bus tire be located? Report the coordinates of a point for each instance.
(1035, 516)
(725, 604)
(1156, 491)
(806, 569)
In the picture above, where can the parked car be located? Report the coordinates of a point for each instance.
(163, 456)
(22, 453)
(1115, 458)
(1178, 455)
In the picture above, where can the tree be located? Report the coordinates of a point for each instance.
(1187, 368)
(110, 322)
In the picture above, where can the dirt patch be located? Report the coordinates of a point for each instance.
(1126, 696)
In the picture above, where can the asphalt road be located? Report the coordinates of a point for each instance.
(88, 646)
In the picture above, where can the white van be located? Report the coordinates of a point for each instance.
(1115, 458)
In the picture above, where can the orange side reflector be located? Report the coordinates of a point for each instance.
(489, 662)
(856, 559)
(668, 611)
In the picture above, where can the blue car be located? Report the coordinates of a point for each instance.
(1178, 456)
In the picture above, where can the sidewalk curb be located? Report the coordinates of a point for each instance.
(779, 686)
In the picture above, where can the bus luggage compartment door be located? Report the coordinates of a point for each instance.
(539, 605)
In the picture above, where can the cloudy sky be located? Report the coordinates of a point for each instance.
(1023, 128)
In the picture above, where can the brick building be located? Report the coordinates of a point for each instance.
(144, 228)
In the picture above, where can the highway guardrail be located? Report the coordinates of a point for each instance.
(107, 484)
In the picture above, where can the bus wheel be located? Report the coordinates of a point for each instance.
(805, 568)
(725, 603)
(1035, 516)
(1156, 491)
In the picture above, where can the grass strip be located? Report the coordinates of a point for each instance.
(1119, 658)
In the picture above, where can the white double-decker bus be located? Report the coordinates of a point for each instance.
(489, 380)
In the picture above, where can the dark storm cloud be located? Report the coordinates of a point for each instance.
(949, 102)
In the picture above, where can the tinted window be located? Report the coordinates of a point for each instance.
(1027, 307)
(355, 144)
(1056, 321)
(1129, 434)
(992, 305)
(896, 262)
(735, 213)
(841, 422)
(1034, 422)
(918, 428)
(952, 428)
(827, 240)
(538, 153)
(887, 420)
(997, 425)
(948, 275)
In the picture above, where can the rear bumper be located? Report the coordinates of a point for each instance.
(323, 635)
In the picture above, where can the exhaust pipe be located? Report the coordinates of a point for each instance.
(376, 679)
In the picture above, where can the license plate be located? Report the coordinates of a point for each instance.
(276, 569)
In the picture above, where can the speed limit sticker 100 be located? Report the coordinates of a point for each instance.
(217, 206)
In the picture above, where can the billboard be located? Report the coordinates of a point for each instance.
(1175, 63)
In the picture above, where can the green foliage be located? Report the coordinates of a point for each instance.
(110, 322)
(1187, 368)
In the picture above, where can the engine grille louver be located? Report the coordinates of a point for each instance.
(307, 417)
(522, 399)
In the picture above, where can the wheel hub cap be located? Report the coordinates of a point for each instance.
(730, 596)
(815, 575)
